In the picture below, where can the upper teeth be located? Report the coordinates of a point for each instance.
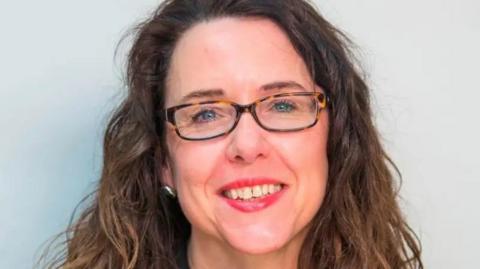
(255, 191)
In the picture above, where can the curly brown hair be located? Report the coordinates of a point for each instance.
(130, 224)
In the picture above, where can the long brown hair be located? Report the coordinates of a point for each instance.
(129, 222)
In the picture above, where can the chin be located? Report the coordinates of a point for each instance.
(255, 241)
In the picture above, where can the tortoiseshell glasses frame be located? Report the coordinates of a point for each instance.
(321, 98)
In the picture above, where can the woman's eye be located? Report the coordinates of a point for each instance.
(283, 106)
(204, 116)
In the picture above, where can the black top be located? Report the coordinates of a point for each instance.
(182, 259)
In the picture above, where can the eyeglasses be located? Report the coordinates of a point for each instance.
(285, 112)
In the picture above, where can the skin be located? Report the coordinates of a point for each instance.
(239, 56)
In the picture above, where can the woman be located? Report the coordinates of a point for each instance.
(246, 141)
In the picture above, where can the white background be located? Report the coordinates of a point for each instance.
(59, 81)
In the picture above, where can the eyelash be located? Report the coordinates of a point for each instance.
(284, 101)
(201, 112)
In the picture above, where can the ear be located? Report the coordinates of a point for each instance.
(167, 174)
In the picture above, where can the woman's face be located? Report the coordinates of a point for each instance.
(239, 56)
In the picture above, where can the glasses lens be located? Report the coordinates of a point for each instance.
(205, 120)
(285, 113)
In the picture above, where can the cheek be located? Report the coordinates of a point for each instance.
(306, 156)
(193, 164)
(306, 152)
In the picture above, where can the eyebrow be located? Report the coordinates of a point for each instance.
(218, 92)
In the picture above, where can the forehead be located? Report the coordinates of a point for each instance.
(236, 55)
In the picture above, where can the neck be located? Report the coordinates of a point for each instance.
(205, 252)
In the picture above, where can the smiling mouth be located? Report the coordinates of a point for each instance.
(253, 193)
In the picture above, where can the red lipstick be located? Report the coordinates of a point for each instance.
(254, 204)
(249, 182)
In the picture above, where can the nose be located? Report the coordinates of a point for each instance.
(247, 141)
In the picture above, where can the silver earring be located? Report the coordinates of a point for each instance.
(169, 191)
